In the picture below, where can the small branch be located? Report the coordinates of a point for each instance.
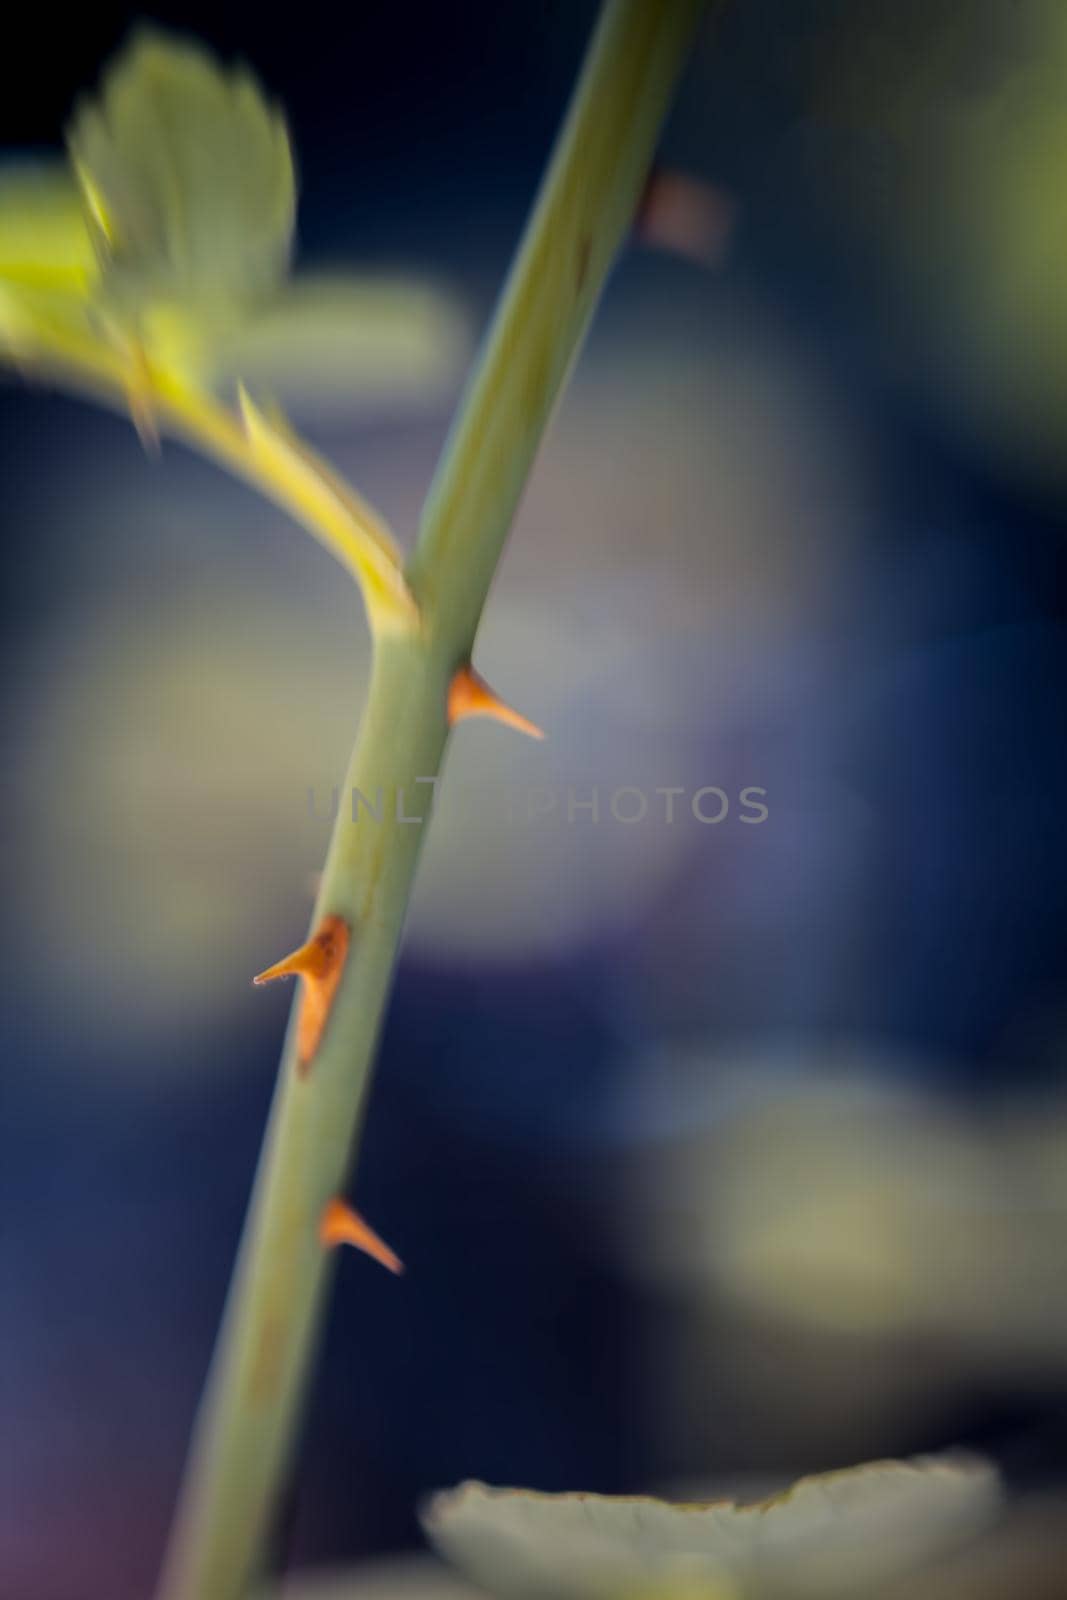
(255, 1395)
(261, 450)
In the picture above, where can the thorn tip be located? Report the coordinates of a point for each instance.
(320, 963)
(340, 1224)
(470, 696)
(139, 401)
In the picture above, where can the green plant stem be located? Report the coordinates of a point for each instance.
(256, 1391)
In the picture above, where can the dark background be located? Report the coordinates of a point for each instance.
(891, 666)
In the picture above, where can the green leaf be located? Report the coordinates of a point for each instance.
(187, 176)
(338, 341)
(833, 1537)
(48, 265)
(44, 240)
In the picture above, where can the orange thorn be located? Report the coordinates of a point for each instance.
(341, 1225)
(320, 963)
(470, 696)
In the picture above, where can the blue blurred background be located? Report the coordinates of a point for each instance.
(716, 1153)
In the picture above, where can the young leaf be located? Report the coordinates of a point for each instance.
(334, 340)
(47, 261)
(187, 176)
(44, 241)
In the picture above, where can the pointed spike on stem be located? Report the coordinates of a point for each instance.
(258, 425)
(470, 696)
(320, 963)
(139, 400)
(340, 1224)
(334, 512)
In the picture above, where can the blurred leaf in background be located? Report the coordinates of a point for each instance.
(837, 1537)
(166, 248)
(947, 129)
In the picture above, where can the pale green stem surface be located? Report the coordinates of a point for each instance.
(255, 1395)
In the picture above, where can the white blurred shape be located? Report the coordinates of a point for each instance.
(835, 1537)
